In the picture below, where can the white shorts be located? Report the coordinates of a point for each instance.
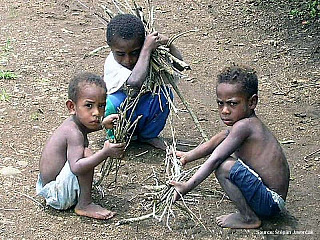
(61, 193)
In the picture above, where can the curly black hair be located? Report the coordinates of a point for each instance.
(86, 77)
(125, 26)
(243, 75)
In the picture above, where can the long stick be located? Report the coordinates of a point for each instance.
(31, 198)
(132, 220)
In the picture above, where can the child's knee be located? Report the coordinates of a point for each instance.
(114, 101)
(110, 108)
(224, 168)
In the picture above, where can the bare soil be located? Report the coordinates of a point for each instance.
(48, 42)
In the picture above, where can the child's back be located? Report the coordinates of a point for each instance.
(54, 154)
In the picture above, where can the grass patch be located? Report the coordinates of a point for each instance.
(35, 116)
(7, 75)
(4, 54)
(307, 10)
(4, 96)
(7, 46)
(44, 81)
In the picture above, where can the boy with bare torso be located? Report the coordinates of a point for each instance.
(257, 180)
(67, 164)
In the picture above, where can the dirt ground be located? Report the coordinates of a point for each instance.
(48, 42)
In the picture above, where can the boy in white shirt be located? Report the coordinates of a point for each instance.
(128, 64)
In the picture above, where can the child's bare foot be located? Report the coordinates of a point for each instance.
(235, 220)
(156, 142)
(94, 211)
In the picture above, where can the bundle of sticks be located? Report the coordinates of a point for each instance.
(123, 132)
(163, 70)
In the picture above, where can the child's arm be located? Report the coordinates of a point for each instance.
(140, 70)
(81, 162)
(238, 134)
(202, 150)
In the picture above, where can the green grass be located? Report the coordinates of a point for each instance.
(44, 81)
(314, 8)
(7, 46)
(4, 52)
(35, 116)
(4, 55)
(7, 75)
(4, 96)
(308, 10)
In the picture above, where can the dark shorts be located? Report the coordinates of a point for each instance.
(263, 201)
(154, 109)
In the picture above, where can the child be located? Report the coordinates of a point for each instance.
(257, 180)
(67, 164)
(127, 65)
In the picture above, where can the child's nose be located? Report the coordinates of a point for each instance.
(127, 60)
(95, 111)
(225, 110)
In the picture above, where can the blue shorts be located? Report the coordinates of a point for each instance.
(263, 201)
(153, 108)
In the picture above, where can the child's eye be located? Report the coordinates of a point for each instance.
(88, 105)
(135, 53)
(120, 54)
(233, 104)
(102, 105)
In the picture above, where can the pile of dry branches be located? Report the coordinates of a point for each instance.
(163, 71)
(161, 205)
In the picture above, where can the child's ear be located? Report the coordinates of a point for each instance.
(253, 101)
(71, 106)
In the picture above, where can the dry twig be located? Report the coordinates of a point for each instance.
(123, 133)
(31, 198)
(163, 205)
(310, 154)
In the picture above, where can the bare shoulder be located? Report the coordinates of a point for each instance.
(66, 132)
(261, 148)
(246, 126)
(255, 135)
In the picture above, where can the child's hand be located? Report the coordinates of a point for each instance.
(115, 150)
(182, 156)
(153, 40)
(180, 190)
(162, 39)
(110, 121)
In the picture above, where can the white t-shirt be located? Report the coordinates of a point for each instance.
(115, 75)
